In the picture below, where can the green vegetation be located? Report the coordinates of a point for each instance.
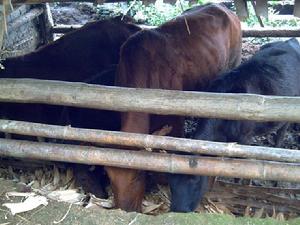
(158, 12)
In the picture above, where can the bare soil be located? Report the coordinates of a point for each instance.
(70, 214)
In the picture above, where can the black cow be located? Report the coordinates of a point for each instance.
(273, 70)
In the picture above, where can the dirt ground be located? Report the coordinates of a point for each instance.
(64, 213)
(228, 199)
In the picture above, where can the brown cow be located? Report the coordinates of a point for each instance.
(182, 54)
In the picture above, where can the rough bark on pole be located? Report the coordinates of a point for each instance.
(159, 162)
(149, 141)
(265, 32)
(32, 14)
(156, 101)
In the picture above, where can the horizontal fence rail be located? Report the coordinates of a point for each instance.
(159, 162)
(165, 102)
(149, 141)
(262, 32)
(275, 32)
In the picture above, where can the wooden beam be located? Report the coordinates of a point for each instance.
(156, 101)
(144, 141)
(159, 162)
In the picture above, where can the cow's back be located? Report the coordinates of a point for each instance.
(76, 56)
(183, 53)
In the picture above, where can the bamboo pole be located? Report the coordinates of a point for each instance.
(262, 32)
(265, 32)
(150, 141)
(159, 162)
(165, 102)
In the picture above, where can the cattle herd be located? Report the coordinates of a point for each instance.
(200, 50)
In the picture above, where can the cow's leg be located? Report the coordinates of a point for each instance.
(128, 185)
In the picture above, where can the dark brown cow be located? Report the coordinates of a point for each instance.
(182, 54)
(89, 54)
(77, 56)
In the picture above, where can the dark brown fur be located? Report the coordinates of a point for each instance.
(89, 54)
(78, 55)
(168, 57)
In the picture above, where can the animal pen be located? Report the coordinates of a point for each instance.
(221, 159)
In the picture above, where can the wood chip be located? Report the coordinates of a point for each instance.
(70, 196)
(30, 203)
(104, 203)
(19, 194)
(149, 206)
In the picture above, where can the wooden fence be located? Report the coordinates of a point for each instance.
(165, 102)
(270, 163)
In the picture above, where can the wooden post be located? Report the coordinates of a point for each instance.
(150, 141)
(63, 29)
(159, 162)
(165, 102)
(46, 24)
